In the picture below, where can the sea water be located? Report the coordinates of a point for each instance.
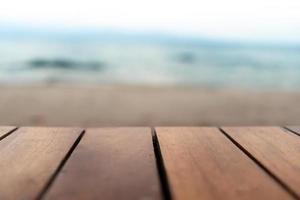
(148, 62)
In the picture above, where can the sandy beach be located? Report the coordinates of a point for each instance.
(65, 105)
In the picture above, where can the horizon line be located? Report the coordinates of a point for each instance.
(16, 30)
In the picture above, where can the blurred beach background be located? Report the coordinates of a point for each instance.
(135, 63)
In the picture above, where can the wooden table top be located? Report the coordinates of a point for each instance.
(149, 163)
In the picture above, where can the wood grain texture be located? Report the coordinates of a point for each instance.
(201, 163)
(29, 157)
(4, 130)
(276, 149)
(110, 163)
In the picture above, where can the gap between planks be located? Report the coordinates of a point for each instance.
(161, 167)
(59, 168)
(293, 129)
(7, 131)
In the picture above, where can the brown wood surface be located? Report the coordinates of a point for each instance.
(4, 130)
(276, 149)
(110, 163)
(29, 157)
(201, 163)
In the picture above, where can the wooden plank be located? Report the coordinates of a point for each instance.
(201, 163)
(295, 129)
(276, 149)
(110, 163)
(29, 157)
(4, 130)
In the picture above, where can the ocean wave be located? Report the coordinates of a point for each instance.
(60, 63)
(186, 58)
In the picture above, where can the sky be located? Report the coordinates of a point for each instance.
(252, 19)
